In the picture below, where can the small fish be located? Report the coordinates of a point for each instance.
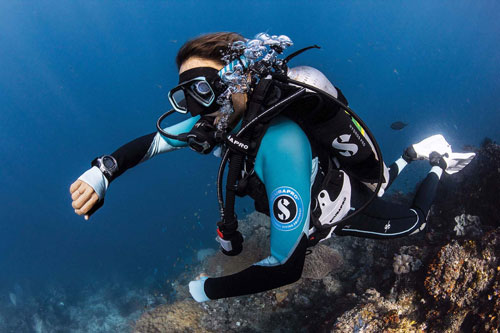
(398, 125)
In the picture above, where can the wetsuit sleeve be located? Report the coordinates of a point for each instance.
(135, 152)
(147, 146)
(284, 165)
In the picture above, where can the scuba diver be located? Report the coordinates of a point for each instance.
(292, 144)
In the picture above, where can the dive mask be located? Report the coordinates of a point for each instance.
(197, 91)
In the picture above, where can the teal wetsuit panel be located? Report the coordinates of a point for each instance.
(182, 127)
(283, 163)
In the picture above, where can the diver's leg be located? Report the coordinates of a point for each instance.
(395, 169)
(383, 219)
(418, 151)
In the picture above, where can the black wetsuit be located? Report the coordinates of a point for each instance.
(384, 219)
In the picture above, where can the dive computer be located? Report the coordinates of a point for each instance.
(107, 164)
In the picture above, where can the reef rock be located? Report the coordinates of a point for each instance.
(204, 253)
(378, 314)
(474, 189)
(321, 261)
(467, 224)
(178, 317)
(408, 260)
(463, 280)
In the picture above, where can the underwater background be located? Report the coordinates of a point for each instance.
(79, 79)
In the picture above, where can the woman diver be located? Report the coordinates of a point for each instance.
(308, 173)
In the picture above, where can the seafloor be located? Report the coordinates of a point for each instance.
(445, 279)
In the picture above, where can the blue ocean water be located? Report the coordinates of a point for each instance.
(78, 79)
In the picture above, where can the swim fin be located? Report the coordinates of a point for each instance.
(457, 161)
(433, 143)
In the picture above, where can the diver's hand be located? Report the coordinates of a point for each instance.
(84, 198)
(197, 288)
(88, 192)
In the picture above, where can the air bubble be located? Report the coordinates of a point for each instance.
(263, 49)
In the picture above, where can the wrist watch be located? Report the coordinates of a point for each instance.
(107, 164)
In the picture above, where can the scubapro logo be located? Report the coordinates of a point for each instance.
(237, 143)
(287, 208)
(284, 209)
(342, 143)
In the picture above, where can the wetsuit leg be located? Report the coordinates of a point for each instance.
(394, 171)
(383, 219)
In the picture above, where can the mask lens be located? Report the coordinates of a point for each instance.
(178, 100)
(202, 88)
(201, 91)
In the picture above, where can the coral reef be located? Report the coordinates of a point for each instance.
(404, 263)
(461, 295)
(321, 261)
(181, 316)
(474, 189)
(378, 314)
(408, 260)
(100, 308)
(255, 230)
(462, 280)
(204, 253)
(467, 224)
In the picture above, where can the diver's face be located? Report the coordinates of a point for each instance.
(239, 100)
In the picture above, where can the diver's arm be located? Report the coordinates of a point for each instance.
(148, 146)
(91, 186)
(284, 165)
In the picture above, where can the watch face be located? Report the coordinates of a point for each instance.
(108, 162)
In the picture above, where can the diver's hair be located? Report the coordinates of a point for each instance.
(207, 46)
